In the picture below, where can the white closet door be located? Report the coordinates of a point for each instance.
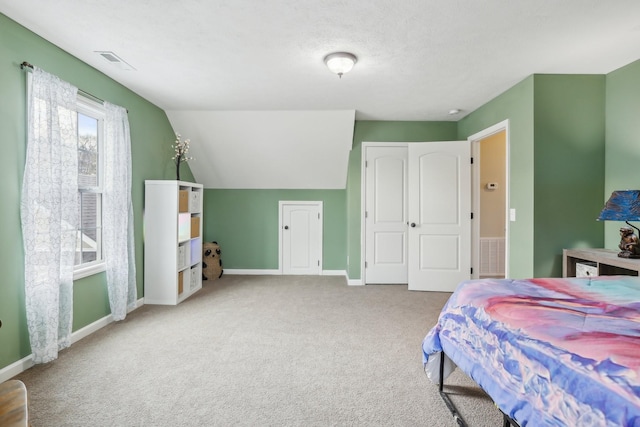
(439, 215)
(386, 215)
(301, 237)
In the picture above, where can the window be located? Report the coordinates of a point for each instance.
(89, 258)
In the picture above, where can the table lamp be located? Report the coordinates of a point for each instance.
(624, 205)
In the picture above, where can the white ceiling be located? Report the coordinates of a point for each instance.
(417, 59)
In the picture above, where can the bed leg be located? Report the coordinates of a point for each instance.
(508, 422)
(452, 408)
(441, 371)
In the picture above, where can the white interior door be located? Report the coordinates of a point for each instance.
(439, 215)
(386, 215)
(301, 237)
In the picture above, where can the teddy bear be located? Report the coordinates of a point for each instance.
(211, 262)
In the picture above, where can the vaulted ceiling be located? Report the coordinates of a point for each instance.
(417, 59)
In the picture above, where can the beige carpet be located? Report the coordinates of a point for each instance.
(259, 351)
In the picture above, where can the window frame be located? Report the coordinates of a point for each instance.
(93, 109)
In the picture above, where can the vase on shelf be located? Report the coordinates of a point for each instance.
(178, 161)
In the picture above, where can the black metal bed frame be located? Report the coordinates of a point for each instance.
(507, 421)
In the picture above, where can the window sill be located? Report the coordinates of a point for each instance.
(87, 271)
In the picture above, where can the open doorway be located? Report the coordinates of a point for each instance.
(490, 192)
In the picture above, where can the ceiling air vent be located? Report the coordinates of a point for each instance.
(114, 59)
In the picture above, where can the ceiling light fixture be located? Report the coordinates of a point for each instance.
(454, 111)
(340, 62)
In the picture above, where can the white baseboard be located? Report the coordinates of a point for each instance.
(240, 271)
(334, 273)
(25, 363)
(251, 271)
(99, 324)
(16, 368)
(355, 282)
(90, 328)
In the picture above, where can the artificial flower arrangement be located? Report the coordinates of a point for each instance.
(181, 150)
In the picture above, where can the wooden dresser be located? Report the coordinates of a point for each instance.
(606, 262)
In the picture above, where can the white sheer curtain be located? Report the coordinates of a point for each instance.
(117, 212)
(49, 212)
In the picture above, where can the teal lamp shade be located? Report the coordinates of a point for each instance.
(623, 205)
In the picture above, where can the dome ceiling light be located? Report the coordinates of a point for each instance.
(340, 62)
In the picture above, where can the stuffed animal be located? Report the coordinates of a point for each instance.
(211, 262)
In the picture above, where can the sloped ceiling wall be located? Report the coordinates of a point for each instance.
(268, 149)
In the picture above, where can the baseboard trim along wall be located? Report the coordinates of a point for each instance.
(251, 271)
(16, 368)
(334, 273)
(239, 271)
(25, 363)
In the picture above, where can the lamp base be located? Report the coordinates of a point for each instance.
(627, 254)
(629, 244)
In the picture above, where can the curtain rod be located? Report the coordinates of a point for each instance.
(25, 64)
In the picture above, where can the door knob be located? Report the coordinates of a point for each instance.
(413, 224)
(286, 227)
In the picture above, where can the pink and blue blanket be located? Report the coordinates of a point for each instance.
(549, 352)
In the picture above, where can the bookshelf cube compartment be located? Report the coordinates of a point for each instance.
(195, 226)
(183, 200)
(183, 256)
(194, 201)
(196, 251)
(184, 227)
(186, 280)
(196, 275)
(180, 282)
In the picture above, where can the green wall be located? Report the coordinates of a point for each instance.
(151, 136)
(622, 171)
(568, 167)
(559, 175)
(556, 154)
(515, 105)
(245, 225)
(375, 131)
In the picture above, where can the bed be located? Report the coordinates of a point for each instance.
(549, 352)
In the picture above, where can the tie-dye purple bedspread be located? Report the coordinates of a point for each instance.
(549, 352)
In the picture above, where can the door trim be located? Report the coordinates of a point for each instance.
(319, 204)
(475, 180)
(363, 201)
